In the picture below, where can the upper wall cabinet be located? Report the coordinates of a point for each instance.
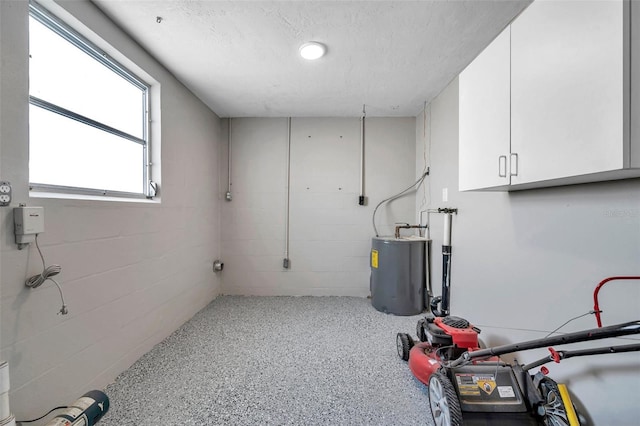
(569, 77)
(484, 111)
(567, 89)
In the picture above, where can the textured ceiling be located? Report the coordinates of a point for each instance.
(241, 57)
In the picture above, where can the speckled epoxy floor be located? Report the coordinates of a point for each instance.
(274, 361)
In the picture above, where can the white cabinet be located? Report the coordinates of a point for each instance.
(484, 114)
(569, 74)
(567, 89)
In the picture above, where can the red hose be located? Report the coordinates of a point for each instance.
(596, 306)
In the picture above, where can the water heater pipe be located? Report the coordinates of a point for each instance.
(285, 261)
(407, 226)
(446, 239)
(362, 130)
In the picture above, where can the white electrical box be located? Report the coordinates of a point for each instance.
(28, 222)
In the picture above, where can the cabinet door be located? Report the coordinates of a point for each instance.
(567, 94)
(484, 88)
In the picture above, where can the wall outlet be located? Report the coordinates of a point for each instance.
(5, 194)
(445, 195)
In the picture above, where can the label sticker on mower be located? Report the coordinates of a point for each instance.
(470, 384)
(374, 259)
(467, 384)
(487, 385)
(506, 392)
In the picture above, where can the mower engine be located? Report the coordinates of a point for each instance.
(454, 335)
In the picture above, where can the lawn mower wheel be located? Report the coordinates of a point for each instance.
(404, 343)
(445, 407)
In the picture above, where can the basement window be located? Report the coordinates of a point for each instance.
(88, 116)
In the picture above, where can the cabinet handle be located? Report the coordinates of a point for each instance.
(502, 165)
(512, 166)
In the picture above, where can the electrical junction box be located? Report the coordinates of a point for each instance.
(28, 222)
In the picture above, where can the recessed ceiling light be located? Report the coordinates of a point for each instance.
(312, 50)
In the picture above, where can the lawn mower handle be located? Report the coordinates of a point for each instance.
(596, 306)
(617, 330)
(557, 356)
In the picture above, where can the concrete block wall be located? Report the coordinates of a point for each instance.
(132, 272)
(525, 262)
(330, 234)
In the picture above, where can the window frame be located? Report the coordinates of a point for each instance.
(72, 36)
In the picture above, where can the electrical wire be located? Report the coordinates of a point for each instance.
(47, 271)
(398, 195)
(567, 322)
(46, 274)
(62, 407)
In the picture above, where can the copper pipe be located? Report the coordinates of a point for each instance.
(407, 226)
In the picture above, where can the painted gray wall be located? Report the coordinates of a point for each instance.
(526, 262)
(132, 272)
(330, 233)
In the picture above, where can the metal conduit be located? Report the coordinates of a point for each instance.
(285, 261)
(228, 194)
(361, 199)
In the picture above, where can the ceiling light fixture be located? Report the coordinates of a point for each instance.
(313, 50)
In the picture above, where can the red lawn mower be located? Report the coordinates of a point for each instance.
(471, 385)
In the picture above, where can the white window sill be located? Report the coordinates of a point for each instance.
(57, 195)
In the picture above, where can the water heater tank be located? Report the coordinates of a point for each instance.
(399, 275)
